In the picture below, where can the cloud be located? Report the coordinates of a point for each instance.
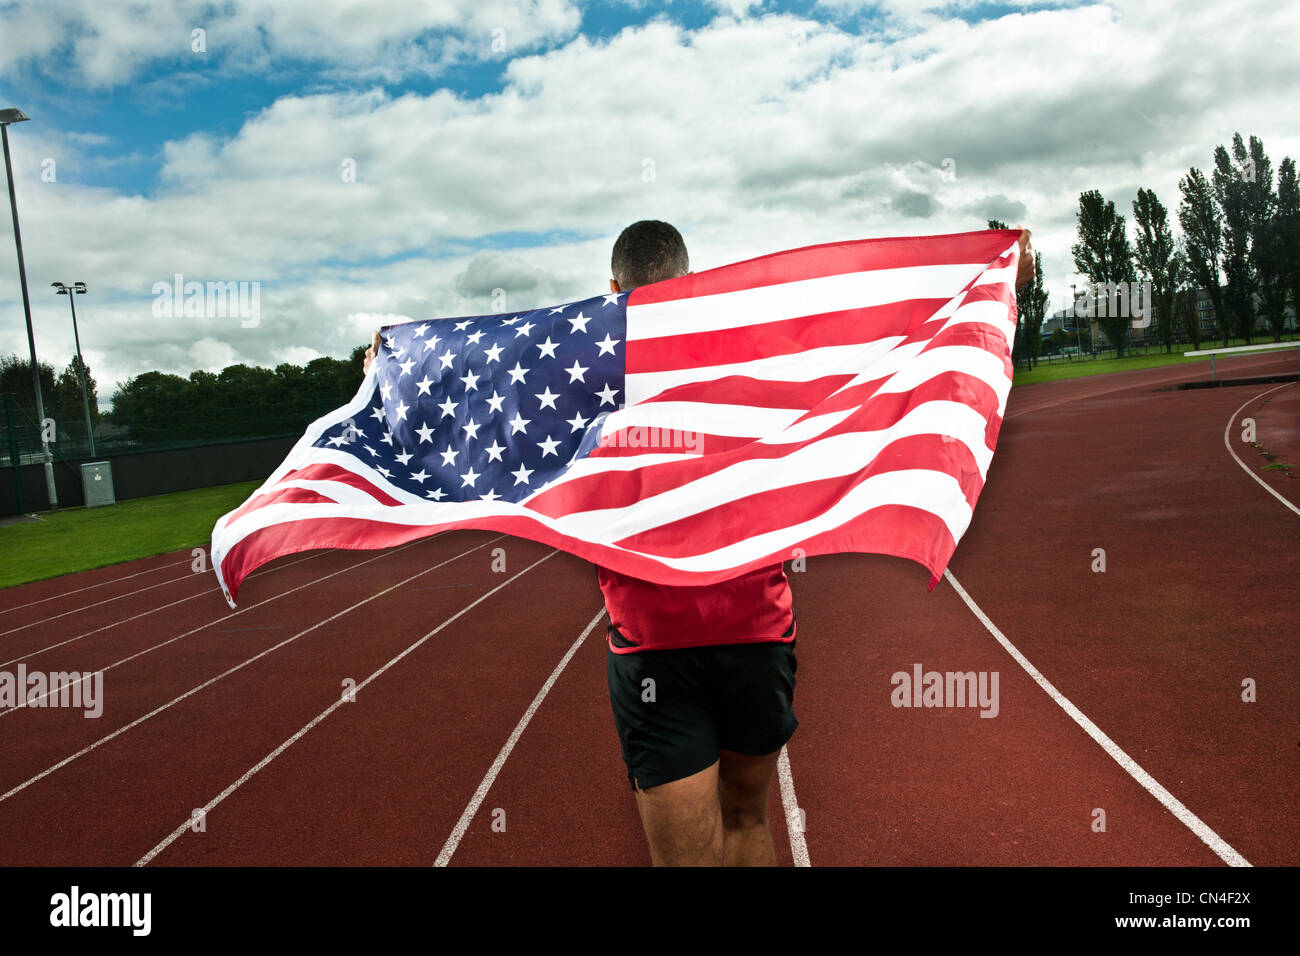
(750, 135)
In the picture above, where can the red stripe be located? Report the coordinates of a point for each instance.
(832, 258)
(748, 343)
(755, 392)
(327, 471)
(623, 489)
(291, 496)
(794, 504)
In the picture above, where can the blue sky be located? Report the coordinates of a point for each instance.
(501, 144)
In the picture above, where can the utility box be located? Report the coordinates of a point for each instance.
(97, 483)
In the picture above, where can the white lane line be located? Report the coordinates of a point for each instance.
(1152, 786)
(458, 831)
(1228, 445)
(794, 817)
(87, 607)
(212, 680)
(155, 610)
(180, 830)
(32, 701)
(89, 587)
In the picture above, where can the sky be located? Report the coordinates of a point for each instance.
(360, 162)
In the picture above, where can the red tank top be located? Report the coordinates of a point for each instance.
(754, 607)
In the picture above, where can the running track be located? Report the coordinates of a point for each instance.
(478, 699)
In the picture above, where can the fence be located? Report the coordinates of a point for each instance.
(188, 452)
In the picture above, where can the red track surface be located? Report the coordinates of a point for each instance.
(1198, 593)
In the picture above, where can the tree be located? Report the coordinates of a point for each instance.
(1287, 230)
(67, 404)
(1157, 261)
(1104, 255)
(16, 379)
(1230, 192)
(1202, 223)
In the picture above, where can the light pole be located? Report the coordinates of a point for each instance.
(72, 291)
(8, 117)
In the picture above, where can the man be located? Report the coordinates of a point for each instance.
(701, 679)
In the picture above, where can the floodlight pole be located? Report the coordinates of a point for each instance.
(50, 490)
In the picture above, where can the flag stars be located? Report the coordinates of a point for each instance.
(425, 433)
(448, 408)
(386, 391)
(423, 385)
(607, 346)
(494, 451)
(524, 329)
(469, 478)
(403, 457)
(378, 413)
(547, 398)
(471, 381)
(387, 438)
(576, 373)
(518, 423)
(494, 353)
(383, 471)
(432, 343)
(407, 366)
(607, 394)
(462, 326)
(435, 493)
(475, 338)
(548, 447)
(449, 455)
(579, 323)
(446, 358)
(521, 476)
(612, 298)
(548, 348)
(517, 373)
(471, 429)
(495, 402)
(421, 476)
(489, 496)
(401, 409)
(419, 330)
(577, 422)
(558, 309)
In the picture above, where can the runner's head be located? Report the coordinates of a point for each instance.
(647, 251)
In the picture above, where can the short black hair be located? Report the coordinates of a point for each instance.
(648, 251)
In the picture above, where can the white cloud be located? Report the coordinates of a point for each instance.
(763, 134)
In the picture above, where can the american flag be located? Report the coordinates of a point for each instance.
(838, 397)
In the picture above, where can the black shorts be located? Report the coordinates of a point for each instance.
(675, 710)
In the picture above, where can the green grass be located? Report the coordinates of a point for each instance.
(77, 539)
(1087, 366)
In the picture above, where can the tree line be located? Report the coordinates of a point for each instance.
(1239, 242)
(240, 401)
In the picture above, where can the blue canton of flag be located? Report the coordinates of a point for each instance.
(489, 407)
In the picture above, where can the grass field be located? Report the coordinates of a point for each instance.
(77, 539)
(1087, 366)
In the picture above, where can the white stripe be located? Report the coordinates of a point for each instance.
(797, 299)
(794, 819)
(1131, 767)
(180, 830)
(1228, 445)
(708, 418)
(467, 815)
